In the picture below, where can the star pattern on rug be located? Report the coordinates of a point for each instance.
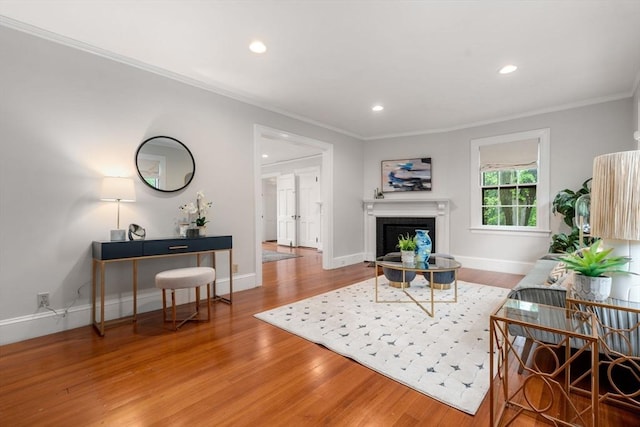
(444, 356)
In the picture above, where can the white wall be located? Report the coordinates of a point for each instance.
(67, 118)
(577, 136)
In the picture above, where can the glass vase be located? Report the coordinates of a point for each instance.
(423, 251)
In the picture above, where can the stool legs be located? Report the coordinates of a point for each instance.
(173, 308)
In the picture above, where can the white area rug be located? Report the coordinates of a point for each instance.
(445, 357)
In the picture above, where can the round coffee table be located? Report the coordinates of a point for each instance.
(437, 265)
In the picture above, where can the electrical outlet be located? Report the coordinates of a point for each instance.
(234, 268)
(43, 299)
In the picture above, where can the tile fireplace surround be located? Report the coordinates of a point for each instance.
(415, 208)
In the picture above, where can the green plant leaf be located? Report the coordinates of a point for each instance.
(593, 263)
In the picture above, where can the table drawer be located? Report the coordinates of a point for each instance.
(116, 250)
(176, 246)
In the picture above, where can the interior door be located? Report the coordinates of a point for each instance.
(309, 208)
(287, 210)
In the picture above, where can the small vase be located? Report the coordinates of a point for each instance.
(592, 288)
(423, 251)
(203, 230)
(408, 257)
(193, 233)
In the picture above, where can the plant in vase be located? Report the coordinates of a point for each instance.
(407, 245)
(591, 264)
(199, 208)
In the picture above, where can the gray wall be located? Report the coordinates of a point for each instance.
(577, 136)
(68, 118)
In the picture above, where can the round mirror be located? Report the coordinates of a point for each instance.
(165, 164)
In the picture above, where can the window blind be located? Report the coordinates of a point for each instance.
(509, 155)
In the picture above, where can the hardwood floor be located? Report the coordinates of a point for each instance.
(235, 370)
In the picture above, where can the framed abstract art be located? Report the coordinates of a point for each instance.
(406, 175)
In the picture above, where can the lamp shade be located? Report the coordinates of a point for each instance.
(615, 196)
(117, 189)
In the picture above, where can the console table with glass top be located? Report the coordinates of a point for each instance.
(436, 264)
(618, 327)
(546, 391)
(109, 252)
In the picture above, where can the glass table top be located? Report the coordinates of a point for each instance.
(435, 264)
(551, 318)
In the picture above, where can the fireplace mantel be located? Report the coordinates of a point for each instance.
(425, 208)
(433, 207)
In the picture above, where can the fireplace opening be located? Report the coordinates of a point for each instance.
(389, 228)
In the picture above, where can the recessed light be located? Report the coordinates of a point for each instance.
(257, 46)
(377, 108)
(507, 69)
(264, 156)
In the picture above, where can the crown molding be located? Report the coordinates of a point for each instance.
(502, 119)
(250, 100)
(218, 90)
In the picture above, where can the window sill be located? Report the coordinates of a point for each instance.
(510, 231)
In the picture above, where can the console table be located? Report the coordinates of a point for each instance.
(618, 326)
(544, 391)
(109, 252)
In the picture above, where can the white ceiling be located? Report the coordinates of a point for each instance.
(432, 64)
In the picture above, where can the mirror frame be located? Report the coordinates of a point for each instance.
(193, 163)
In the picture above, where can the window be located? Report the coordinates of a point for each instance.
(509, 182)
(509, 197)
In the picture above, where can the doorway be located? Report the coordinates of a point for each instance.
(321, 202)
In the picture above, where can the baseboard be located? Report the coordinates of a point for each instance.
(499, 265)
(45, 323)
(343, 261)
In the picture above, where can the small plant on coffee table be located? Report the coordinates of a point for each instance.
(407, 243)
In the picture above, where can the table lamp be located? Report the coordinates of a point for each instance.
(117, 189)
(615, 215)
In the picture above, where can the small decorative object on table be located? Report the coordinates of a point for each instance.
(590, 265)
(199, 208)
(407, 246)
(193, 232)
(136, 232)
(423, 242)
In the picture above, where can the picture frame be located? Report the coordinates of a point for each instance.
(406, 175)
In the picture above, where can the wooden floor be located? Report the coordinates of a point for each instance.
(233, 371)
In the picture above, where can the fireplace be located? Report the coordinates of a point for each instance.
(389, 228)
(429, 214)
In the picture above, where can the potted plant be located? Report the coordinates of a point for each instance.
(564, 203)
(407, 245)
(199, 208)
(591, 265)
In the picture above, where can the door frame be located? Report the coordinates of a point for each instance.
(326, 191)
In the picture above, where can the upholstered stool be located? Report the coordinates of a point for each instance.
(184, 278)
(395, 276)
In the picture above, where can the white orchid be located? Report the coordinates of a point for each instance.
(200, 207)
(189, 208)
